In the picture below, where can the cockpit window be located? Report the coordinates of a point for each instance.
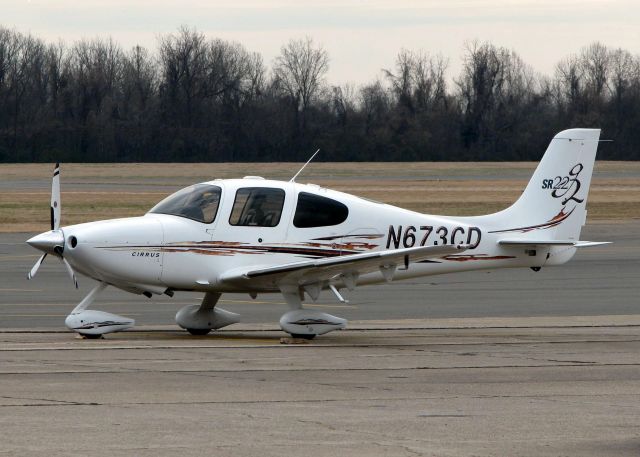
(198, 202)
(316, 211)
(257, 206)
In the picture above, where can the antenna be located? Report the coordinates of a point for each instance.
(300, 170)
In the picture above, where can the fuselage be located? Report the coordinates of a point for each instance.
(159, 251)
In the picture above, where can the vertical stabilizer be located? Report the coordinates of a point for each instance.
(553, 205)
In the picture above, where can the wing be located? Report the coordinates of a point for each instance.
(347, 267)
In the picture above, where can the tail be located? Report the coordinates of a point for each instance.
(553, 205)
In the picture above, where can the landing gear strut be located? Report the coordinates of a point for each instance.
(306, 323)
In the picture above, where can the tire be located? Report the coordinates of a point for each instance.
(90, 336)
(198, 331)
(304, 337)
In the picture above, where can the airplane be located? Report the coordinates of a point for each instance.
(256, 236)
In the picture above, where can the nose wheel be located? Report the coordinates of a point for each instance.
(93, 323)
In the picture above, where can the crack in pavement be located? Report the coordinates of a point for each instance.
(548, 397)
(312, 345)
(326, 369)
(398, 445)
(52, 402)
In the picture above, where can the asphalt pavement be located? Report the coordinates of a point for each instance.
(504, 387)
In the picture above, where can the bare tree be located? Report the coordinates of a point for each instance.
(374, 103)
(429, 80)
(479, 84)
(496, 96)
(402, 79)
(232, 73)
(624, 70)
(10, 49)
(343, 100)
(570, 77)
(419, 80)
(595, 60)
(299, 72)
(96, 67)
(624, 87)
(257, 73)
(55, 55)
(183, 62)
(139, 79)
(24, 78)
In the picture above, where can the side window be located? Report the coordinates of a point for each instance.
(257, 206)
(316, 211)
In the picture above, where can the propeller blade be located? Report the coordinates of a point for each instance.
(72, 275)
(34, 270)
(55, 198)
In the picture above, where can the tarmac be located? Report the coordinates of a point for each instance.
(481, 387)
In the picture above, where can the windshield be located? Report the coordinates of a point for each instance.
(198, 202)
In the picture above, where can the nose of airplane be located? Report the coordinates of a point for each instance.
(51, 242)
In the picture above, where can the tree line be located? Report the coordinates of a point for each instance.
(199, 99)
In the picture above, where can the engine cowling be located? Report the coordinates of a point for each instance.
(193, 317)
(91, 322)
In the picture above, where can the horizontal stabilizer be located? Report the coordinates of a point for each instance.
(531, 242)
(588, 244)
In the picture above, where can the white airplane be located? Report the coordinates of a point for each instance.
(254, 236)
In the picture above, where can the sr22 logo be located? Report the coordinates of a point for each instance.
(565, 186)
(412, 236)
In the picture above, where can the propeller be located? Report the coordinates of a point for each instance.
(72, 275)
(55, 198)
(52, 242)
(34, 270)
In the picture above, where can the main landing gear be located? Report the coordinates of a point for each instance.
(306, 323)
(298, 322)
(201, 319)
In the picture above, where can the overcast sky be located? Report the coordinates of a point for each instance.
(361, 36)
